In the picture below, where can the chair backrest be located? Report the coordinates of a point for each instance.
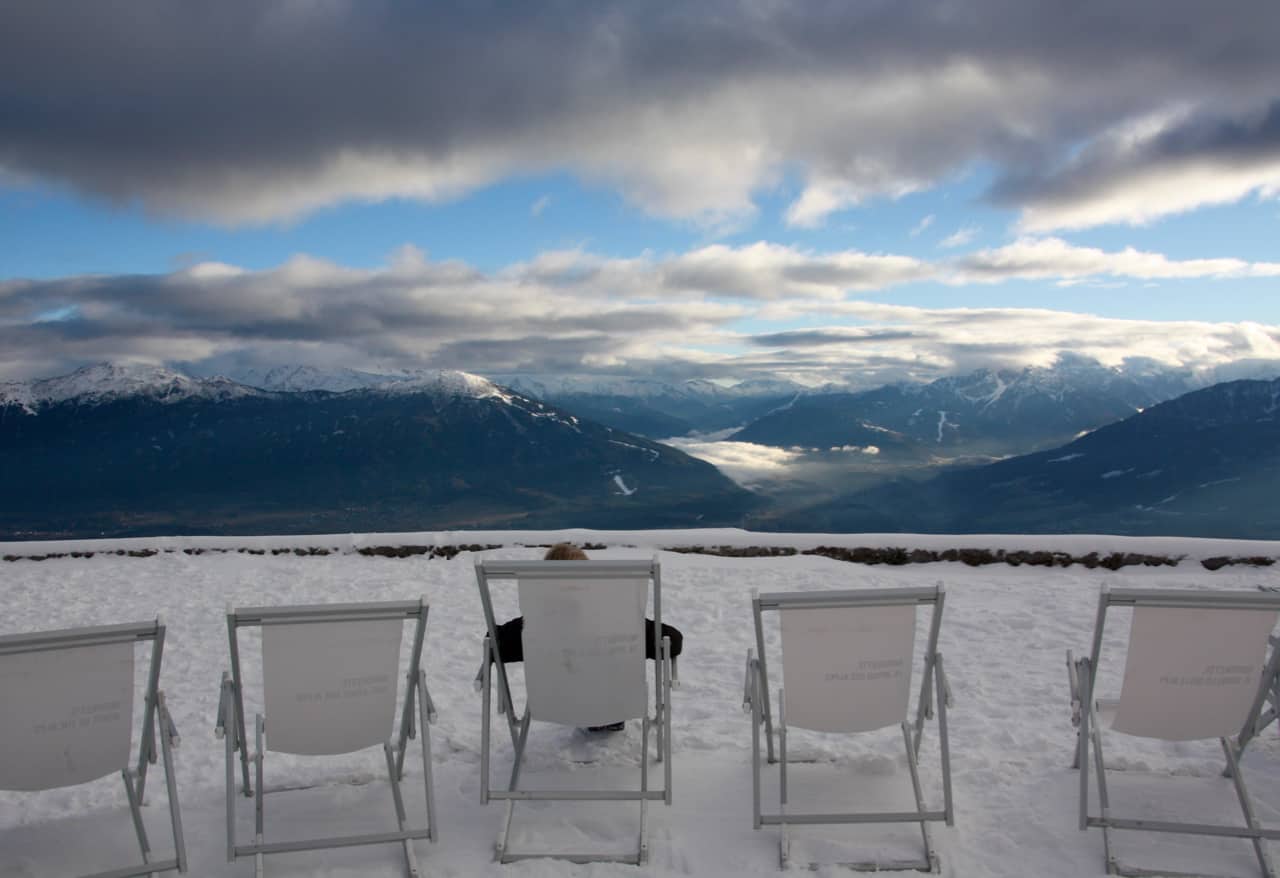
(67, 699)
(330, 672)
(847, 656)
(1195, 662)
(847, 669)
(583, 639)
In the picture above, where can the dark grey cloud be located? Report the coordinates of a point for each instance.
(1196, 158)
(256, 110)
(818, 337)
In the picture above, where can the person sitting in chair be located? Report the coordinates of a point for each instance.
(510, 633)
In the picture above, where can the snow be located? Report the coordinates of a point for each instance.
(1004, 636)
(104, 382)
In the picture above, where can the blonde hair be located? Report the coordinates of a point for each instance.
(564, 552)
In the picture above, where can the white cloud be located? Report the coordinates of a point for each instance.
(667, 316)
(744, 462)
(924, 223)
(1054, 258)
(1150, 193)
(960, 237)
(539, 206)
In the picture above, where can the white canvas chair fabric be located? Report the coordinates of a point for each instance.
(847, 659)
(584, 665)
(330, 684)
(67, 719)
(1196, 668)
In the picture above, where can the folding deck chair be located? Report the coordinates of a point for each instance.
(1196, 669)
(1271, 703)
(67, 719)
(329, 687)
(584, 665)
(847, 666)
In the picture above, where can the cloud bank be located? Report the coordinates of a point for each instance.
(686, 315)
(256, 111)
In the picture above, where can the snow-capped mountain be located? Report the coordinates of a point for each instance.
(653, 408)
(983, 412)
(158, 452)
(298, 378)
(104, 382)
(1204, 464)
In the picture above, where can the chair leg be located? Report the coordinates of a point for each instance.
(135, 810)
(428, 781)
(411, 861)
(643, 848)
(500, 848)
(258, 820)
(519, 757)
(1259, 846)
(929, 855)
(1104, 800)
(171, 783)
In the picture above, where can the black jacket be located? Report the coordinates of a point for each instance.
(511, 643)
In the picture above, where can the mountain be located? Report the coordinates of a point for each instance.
(104, 382)
(112, 451)
(658, 409)
(1204, 464)
(982, 413)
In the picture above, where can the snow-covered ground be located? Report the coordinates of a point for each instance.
(1005, 633)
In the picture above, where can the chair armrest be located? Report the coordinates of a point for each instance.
(167, 725)
(942, 676)
(427, 701)
(224, 702)
(749, 682)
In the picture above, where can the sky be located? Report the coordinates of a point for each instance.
(847, 192)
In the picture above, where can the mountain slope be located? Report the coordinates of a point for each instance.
(448, 450)
(655, 408)
(1204, 464)
(984, 412)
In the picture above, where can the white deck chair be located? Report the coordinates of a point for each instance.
(329, 686)
(584, 665)
(67, 719)
(1269, 709)
(1196, 669)
(847, 665)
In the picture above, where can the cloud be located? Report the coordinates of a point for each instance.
(700, 314)
(1137, 176)
(1053, 258)
(539, 206)
(924, 223)
(257, 111)
(746, 463)
(960, 237)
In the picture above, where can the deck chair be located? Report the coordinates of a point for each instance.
(1270, 711)
(67, 719)
(847, 659)
(584, 665)
(1196, 669)
(329, 687)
